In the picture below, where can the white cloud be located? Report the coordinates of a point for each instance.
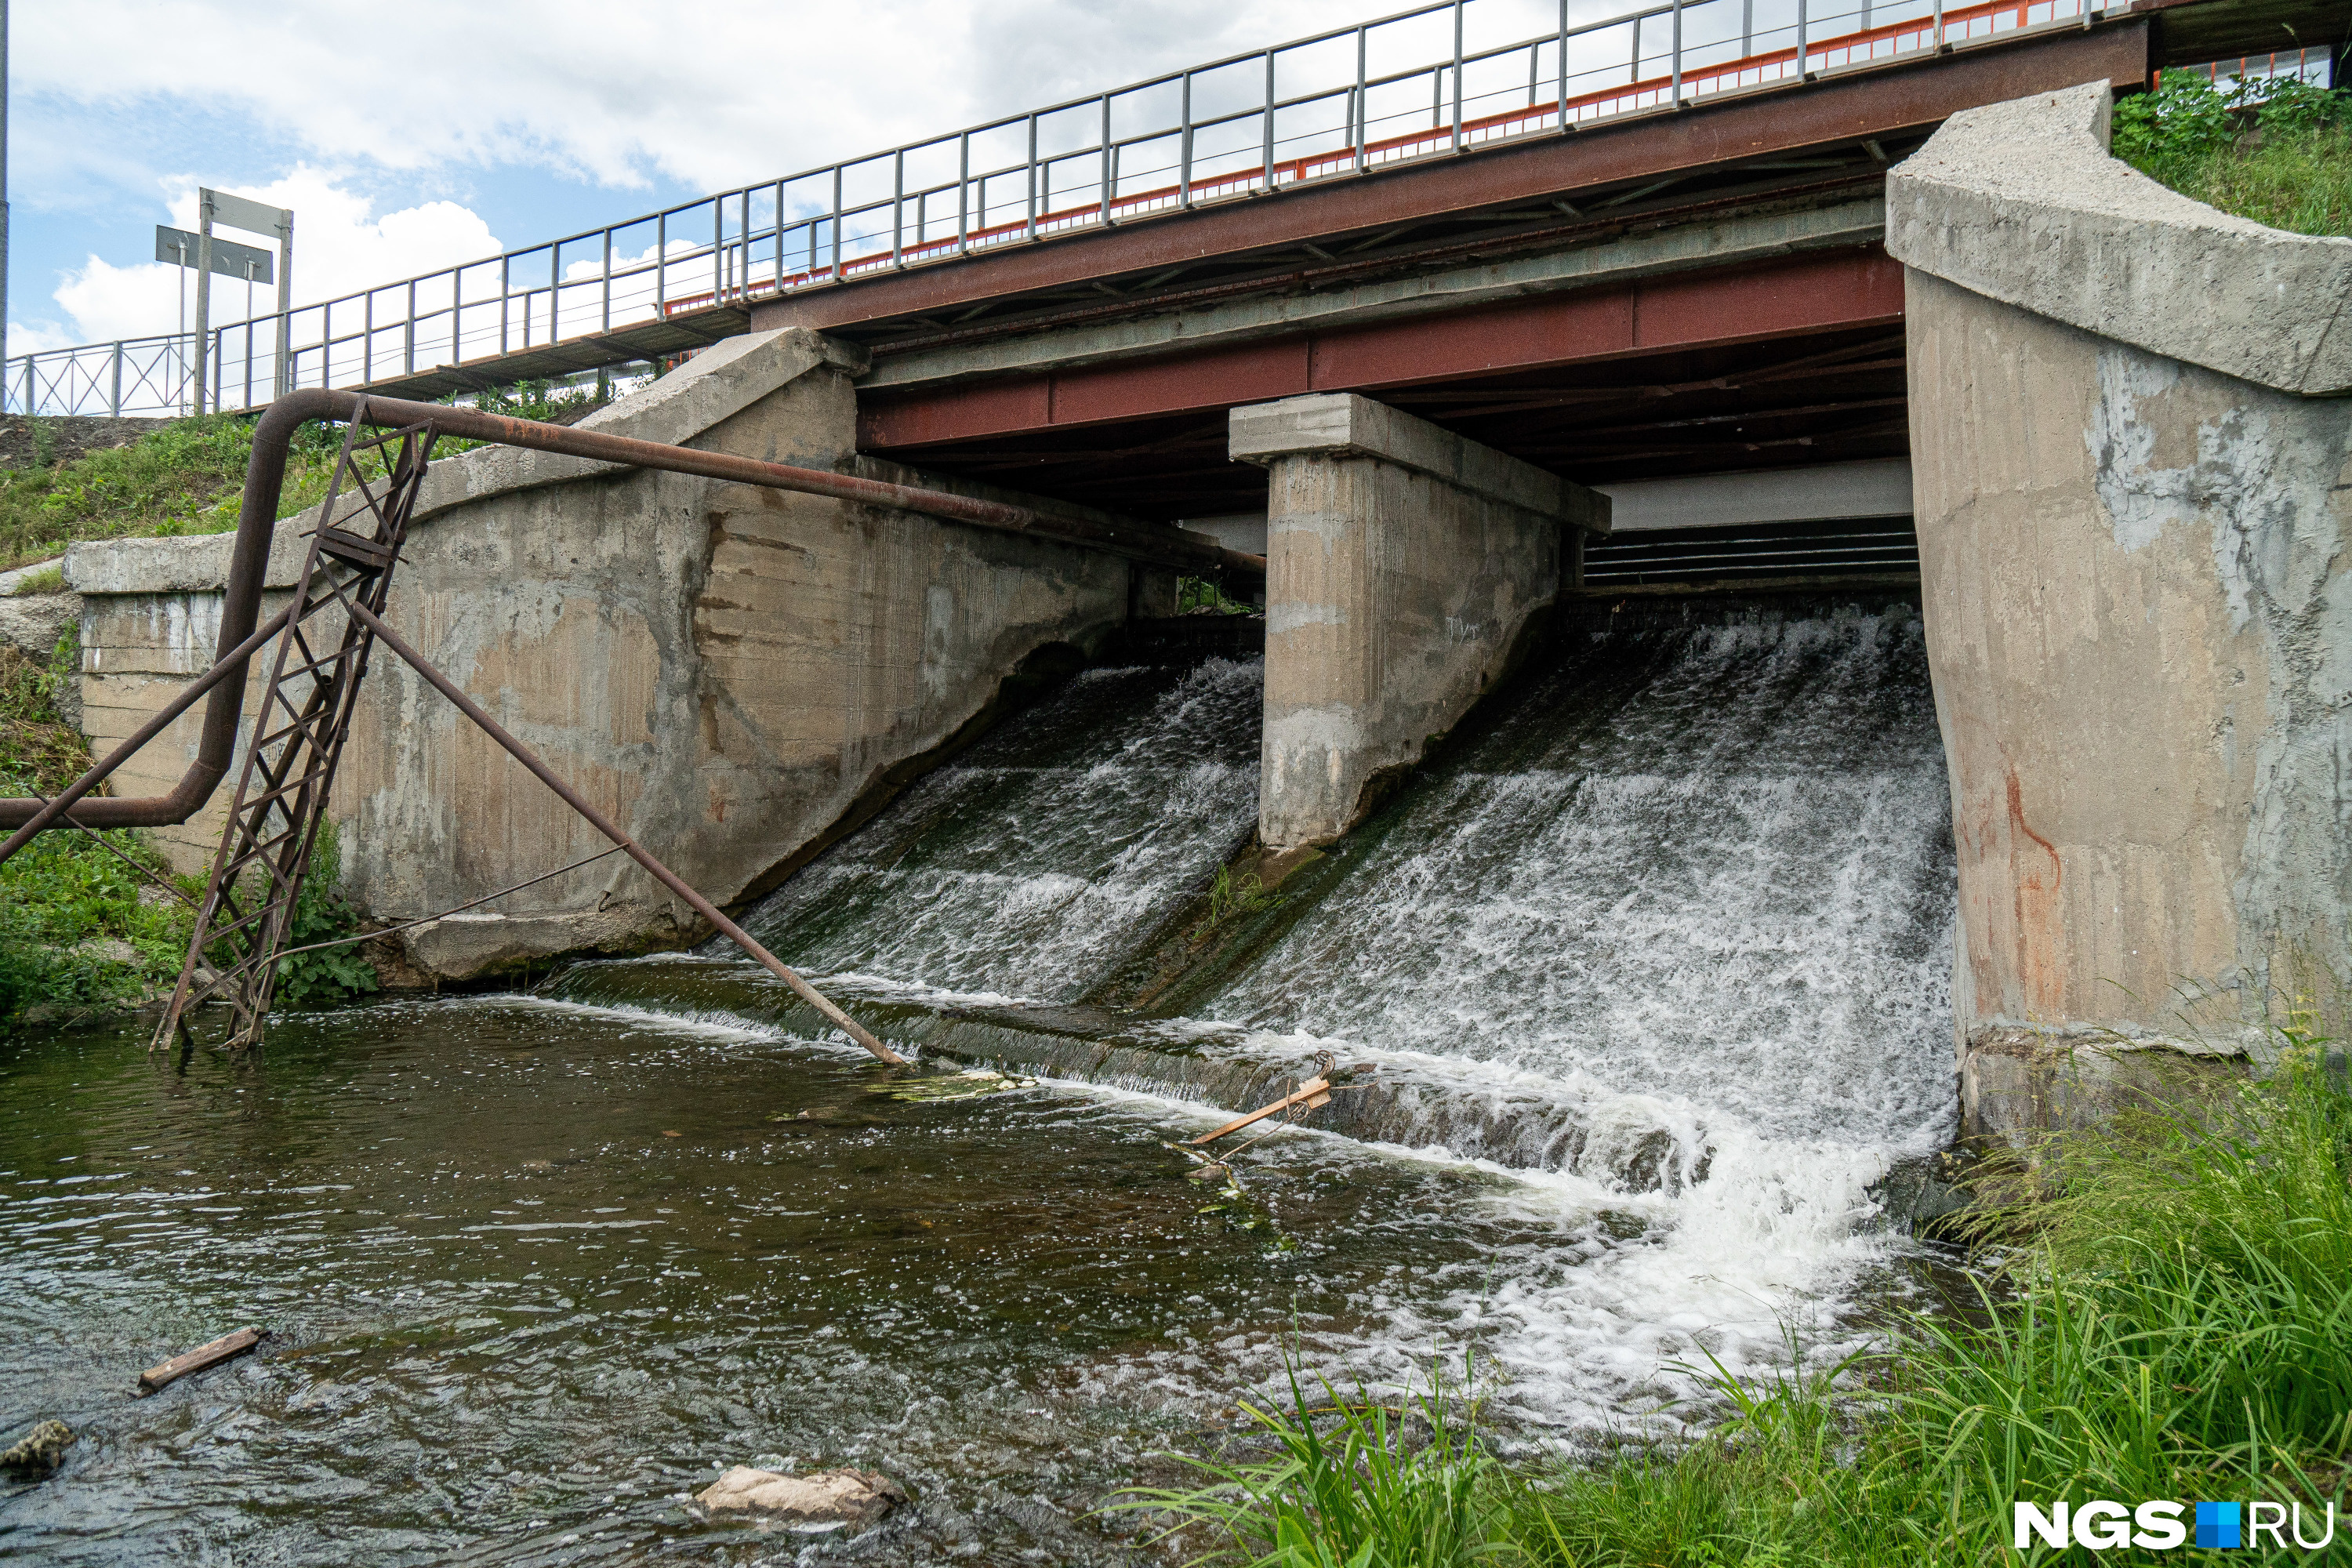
(710, 94)
(705, 94)
(339, 245)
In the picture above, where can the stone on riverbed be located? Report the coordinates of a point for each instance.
(41, 1451)
(829, 1497)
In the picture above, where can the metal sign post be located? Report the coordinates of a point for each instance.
(234, 260)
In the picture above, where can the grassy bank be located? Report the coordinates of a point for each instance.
(80, 927)
(2176, 1324)
(2284, 161)
(93, 922)
(187, 479)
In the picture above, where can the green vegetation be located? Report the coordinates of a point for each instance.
(321, 914)
(2279, 152)
(186, 478)
(84, 923)
(1204, 595)
(2176, 1323)
(79, 927)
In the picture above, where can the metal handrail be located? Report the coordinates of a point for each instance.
(1227, 141)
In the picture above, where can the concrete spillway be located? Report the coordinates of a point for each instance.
(1664, 932)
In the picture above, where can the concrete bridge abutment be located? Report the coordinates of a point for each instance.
(2132, 460)
(736, 675)
(1405, 569)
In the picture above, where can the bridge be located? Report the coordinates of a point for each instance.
(1410, 333)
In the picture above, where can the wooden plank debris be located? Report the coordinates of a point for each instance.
(202, 1356)
(1315, 1093)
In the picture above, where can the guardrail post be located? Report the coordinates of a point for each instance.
(1804, 66)
(505, 286)
(963, 195)
(1565, 125)
(836, 222)
(1184, 145)
(1268, 172)
(1675, 45)
(780, 238)
(897, 205)
(743, 244)
(1109, 167)
(1364, 101)
(409, 334)
(1939, 24)
(29, 409)
(1747, 28)
(1457, 75)
(1031, 233)
(114, 399)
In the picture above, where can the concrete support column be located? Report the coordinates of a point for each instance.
(1405, 567)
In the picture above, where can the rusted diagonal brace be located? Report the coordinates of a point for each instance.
(265, 477)
(605, 825)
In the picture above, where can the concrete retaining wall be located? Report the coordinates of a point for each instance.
(2134, 535)
(1403, 566)
(734, 673)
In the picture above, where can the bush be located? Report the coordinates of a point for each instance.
(2279, 152)
(322, 914)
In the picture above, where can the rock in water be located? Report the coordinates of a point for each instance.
(829, 1497)
(42, 1450)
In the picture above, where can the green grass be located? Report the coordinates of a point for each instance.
(2285, 162)
(187, 476)
(84, 925)
(2176, 1323)
(66, 900)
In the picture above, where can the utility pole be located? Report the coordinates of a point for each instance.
(4, 187)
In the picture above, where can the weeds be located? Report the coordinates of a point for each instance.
(1206, 596)
(2179, 1326)
(1243, 895)
(188, 477)
(2279, 152)
(322, 914)
(1347, 1488)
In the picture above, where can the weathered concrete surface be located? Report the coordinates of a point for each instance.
(731, 672)
(2134, 574)
(1404, 565)
(2019, 202)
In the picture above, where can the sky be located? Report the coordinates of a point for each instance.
(414, 136)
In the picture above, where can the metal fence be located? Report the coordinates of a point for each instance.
(1434, 81)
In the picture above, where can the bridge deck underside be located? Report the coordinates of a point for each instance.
(1793, 365)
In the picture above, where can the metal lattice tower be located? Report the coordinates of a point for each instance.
(305, 716)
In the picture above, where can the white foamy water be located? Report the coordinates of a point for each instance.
(1025, 868)
(1671, 938)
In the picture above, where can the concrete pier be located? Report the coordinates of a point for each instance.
(1404, 566)
(2137, 559)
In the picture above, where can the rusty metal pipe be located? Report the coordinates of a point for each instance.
(627, 846)
(265, 478)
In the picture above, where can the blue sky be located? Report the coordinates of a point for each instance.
(440, 131)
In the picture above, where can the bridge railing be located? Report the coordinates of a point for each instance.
(1436, 81)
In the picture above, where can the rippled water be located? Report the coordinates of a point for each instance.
(1650, 964)
(535, 1271)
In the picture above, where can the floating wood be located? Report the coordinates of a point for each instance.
(222, 1349)
(1314, 1093)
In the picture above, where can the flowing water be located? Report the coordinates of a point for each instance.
(1651, 966)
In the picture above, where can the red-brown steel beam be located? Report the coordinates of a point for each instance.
(1819, 292)
(1842, 109)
